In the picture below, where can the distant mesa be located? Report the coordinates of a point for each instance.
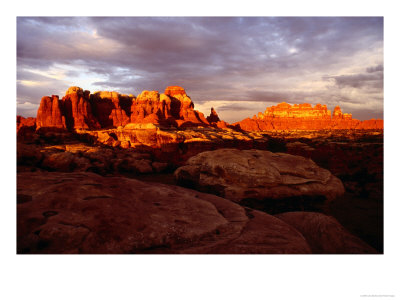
(284, 116)
(79, 109)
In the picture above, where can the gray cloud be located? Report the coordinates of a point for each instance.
(247, 59)
(378, 68)
(372, 81)
(231, 107)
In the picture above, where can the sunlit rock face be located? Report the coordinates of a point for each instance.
(304, 111)
(173, 108)
(337, 113)
(25, 122)
(26, 129)
(174, 91)
(51, 113)
(73, 111)
(304, 117)
(79, 109)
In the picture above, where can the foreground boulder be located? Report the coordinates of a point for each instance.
(88, 213)
(256, 177)
(324, 234)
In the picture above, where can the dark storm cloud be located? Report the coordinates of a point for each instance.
(360, 80)
(378, 68)
(248, 59)
(372, 79)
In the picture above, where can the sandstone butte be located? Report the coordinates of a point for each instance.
(304, 117)
(79, 109)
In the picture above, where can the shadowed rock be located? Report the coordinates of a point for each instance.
(88, 213)
(324, 234)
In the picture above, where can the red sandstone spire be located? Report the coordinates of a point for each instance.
(174, 90)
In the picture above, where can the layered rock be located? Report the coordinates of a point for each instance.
(28, 123)
(51, 113)
(75, 156)
(305, 111)
(148, 108)
(172, 108)
(111, 109)
(177, 145)
(188, 116)
(304, 117)
(79, 109)
(88, 213)
(259, 178)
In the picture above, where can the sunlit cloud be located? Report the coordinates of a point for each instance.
(29, 82)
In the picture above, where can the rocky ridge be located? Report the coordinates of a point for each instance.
(79, 109)
(81, 212)
(305, 117)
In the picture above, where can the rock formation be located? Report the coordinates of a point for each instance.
(304, 117)
(79, 109)
(83, 212)
(25, 122)
(51, 113)
(213, 117)
(325, 234)
(88, 213)
(259, 178)
(111, 109)
(215, 121)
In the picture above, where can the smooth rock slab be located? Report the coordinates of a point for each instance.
(87, 213)
(240, 175)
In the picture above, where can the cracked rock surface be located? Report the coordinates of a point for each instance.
(83, 212)
(242, 174)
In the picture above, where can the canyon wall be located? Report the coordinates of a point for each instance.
(79, 109)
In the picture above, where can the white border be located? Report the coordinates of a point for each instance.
(198, 277)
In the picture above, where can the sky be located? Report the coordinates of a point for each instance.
(237, 65)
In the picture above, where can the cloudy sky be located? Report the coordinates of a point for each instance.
(237, 65)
